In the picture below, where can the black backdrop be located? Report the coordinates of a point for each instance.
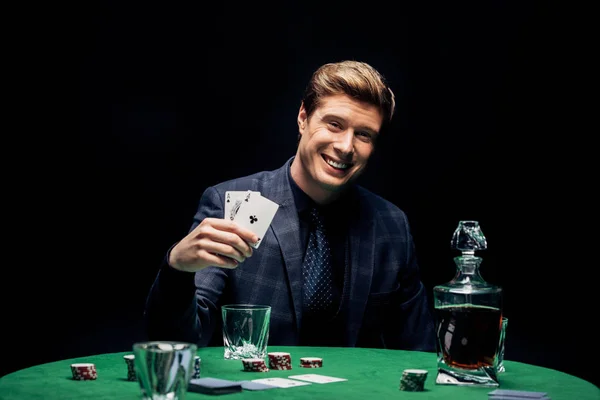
(172, 98)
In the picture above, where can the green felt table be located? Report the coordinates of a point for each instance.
(371, 374)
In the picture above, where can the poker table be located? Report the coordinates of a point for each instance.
(370, 373)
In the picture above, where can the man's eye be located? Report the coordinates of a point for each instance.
(335, 125)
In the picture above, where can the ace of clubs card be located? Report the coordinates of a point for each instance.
(256, 213)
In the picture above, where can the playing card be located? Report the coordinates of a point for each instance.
(214, 386)
(256, 213)
(316, 378)
(233, 201)
(518, 394)
(250, 385)
(281, 382)
(509, 397)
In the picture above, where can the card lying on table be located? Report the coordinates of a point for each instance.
(249, 385)
(509, 397)
(505, 394)
(214, 386)
(280, 382)
(316, 378)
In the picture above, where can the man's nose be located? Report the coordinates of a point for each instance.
(345, 142)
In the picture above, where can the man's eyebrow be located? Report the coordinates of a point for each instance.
(361, 128)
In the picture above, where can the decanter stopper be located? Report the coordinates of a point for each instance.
(468, 238)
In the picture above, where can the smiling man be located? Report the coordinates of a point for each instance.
(336, 142)
(337, 264)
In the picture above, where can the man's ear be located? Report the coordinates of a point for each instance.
(302, 117)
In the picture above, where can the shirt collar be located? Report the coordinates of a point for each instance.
(301, 199)
(304, 202)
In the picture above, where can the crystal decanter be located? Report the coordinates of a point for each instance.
(468, 313)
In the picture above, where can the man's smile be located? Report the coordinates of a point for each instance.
(336, 164)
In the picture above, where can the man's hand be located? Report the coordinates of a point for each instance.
(215, 242)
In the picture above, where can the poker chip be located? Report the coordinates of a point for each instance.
(84, 371)
(197, 363)
(254, 365)
(311, 362)
(413, 380)
(280, 360)
(130, 361)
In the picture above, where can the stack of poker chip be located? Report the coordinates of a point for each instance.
(254, 365)
(280, 360)
(197, 363)
(84, 371)
(130, 360)
(413, 380)
(311, 362)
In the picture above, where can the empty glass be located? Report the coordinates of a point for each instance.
(164, 369)
(245, 330)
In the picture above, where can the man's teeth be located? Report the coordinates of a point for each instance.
(337, 165)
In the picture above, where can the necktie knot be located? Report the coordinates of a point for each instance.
(317, 219)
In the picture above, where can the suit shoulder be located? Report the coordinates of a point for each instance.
(254, 181)
(377, 204)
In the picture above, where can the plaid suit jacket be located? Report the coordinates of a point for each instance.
(385, 303)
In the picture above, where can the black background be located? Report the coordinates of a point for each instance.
(167, 99)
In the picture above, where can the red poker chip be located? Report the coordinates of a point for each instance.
(280, 361)
(254, 365)
(311, 362)
(84, 371)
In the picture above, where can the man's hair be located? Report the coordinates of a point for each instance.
(355, 79)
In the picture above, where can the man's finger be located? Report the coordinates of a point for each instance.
(232, 226)
(233, 238)
(225, 249)
(219, 260)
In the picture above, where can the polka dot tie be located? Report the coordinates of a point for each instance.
(316, 270)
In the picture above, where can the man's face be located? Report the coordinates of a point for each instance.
(335, 145)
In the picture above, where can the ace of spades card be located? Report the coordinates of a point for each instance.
(256, 213)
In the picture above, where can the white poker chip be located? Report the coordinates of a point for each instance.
(416, 371)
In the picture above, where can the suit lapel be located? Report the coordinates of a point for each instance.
(361, 260)
(286, 227)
